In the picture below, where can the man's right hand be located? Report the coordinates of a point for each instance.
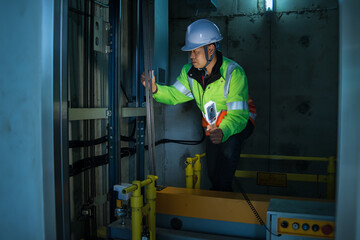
(142, 79)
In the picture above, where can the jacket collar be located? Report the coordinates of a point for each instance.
(215, 73)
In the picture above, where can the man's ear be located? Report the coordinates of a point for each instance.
(211, 49)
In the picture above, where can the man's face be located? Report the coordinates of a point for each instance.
(197, 57)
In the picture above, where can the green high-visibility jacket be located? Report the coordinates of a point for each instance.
(230, 93)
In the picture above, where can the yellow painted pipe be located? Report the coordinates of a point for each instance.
(130, 189)
(189, 172)
(151, 200)
(192, 173)
(280, 157)
(197, 171)
(136, 211)
(289, 176)
(146, 182)
(135, 187)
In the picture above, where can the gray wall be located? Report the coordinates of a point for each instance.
(348, 194)
(290, 58)
(27, 204)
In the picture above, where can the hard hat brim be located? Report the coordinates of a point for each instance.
(187, 48)
(190, 47)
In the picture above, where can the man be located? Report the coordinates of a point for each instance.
(213, 77)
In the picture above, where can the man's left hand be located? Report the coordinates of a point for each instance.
(216, 135)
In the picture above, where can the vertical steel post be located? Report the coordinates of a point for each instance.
(61, 152)
(114, 123)
(140, 150)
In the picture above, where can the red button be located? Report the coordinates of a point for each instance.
(327, 229)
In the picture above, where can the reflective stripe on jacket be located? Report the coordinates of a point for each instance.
(230, 93)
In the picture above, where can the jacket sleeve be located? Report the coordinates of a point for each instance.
(237, 105)
(179, 92)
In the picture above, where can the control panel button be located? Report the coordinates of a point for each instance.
(315, 227)
(284, 224)
(326, 229)
(305, 226)
(295, 226)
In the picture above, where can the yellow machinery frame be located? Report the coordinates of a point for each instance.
(138, 210)
(193, 169)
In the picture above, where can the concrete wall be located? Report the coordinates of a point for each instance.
(290, 57)
(27, 191)
(348, 197)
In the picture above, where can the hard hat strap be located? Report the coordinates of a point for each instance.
(207, 60)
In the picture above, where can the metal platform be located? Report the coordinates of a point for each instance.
(119, 231)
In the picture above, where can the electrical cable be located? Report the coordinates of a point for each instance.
(88, 163)
(79, 144)
(182, 142)
(134, 129)
(253, 209)
(126, 151)
(127, 139)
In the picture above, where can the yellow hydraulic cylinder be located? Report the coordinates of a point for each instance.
(136, 211)
(189, 172)
(197, 171)
(151, 200)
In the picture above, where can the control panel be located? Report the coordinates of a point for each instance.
(306, 227)
(296, 219)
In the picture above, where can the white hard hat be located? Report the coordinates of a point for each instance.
(200, 33)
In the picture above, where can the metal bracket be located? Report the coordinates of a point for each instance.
(101, 35)
(88, 113)
(133, 112)
(108, 113)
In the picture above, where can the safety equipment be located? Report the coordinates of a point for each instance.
(233, 101)
(200, 33)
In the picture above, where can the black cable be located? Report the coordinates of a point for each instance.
(126, 151)
(134, 129)
(182, 142)
(88, 163)
(253, 209)
(127, 139)
(78, 144)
